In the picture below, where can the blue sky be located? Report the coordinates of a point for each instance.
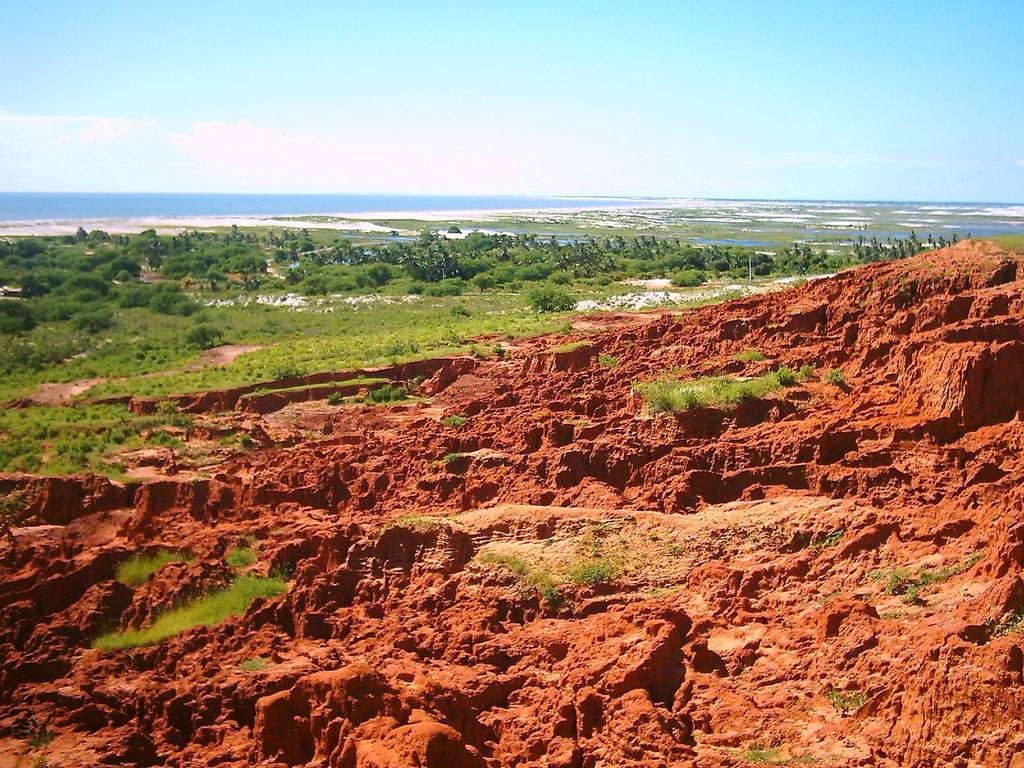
(852, 100)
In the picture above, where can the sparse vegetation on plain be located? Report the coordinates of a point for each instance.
(208, 611)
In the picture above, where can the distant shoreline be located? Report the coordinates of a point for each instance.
(28, 214)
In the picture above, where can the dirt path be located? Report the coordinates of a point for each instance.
(222, 355)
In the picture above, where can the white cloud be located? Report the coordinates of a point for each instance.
(81, 129)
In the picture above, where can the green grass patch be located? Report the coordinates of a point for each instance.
(455, 420)
(607, 361)
(207, 611)
(749, 355)
(536, 580)
(138, 569)
(67, 439)
(666, 396)
(240, 557)
(908, 584)
(421, 522)
(359, 381)
(255, 664)
(571, 346)
(594, 572)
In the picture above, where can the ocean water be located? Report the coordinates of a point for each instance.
(50, 206)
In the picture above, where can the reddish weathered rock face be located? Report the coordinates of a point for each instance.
(830, 574)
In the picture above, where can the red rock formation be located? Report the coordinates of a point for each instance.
(833, 573)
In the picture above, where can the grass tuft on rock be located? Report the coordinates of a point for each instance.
(206, 611)
(707, 392)
(138, 569)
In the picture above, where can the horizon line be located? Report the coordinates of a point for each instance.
(559, 196)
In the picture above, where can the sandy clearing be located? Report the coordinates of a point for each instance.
(222, 355)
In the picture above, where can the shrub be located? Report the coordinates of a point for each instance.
(203, 336)
(206, 611)
(255, 664)
(786, 376)
(836, 378)
(607, 361)
(93, 320)
(138, 569)
(846, 701)
(546, 299)
(449, 287)
(388, 393)
(806, 372)
(689, 278)
(335, 398)
(16, 317)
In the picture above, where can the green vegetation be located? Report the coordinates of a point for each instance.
(35, 733)
(421, 522)
(207, 611)
(255, 664)
(1011, 623)
(594, 571)
(62, 440)
(757, 754)
(548, 299)
(846, 701)
(138, 569)
(388, 393)
(607, 361)
(240, 557)
(836, 378)
(359, 381)
(904, 582)
(455, 420)
(666, 396)
(569, 346)
(135, 311)
(13, 514)
(829, 539)
(689, 278)
(203, 336)
(750, 355)
(531, 579)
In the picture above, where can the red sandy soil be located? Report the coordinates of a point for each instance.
(744, 541)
